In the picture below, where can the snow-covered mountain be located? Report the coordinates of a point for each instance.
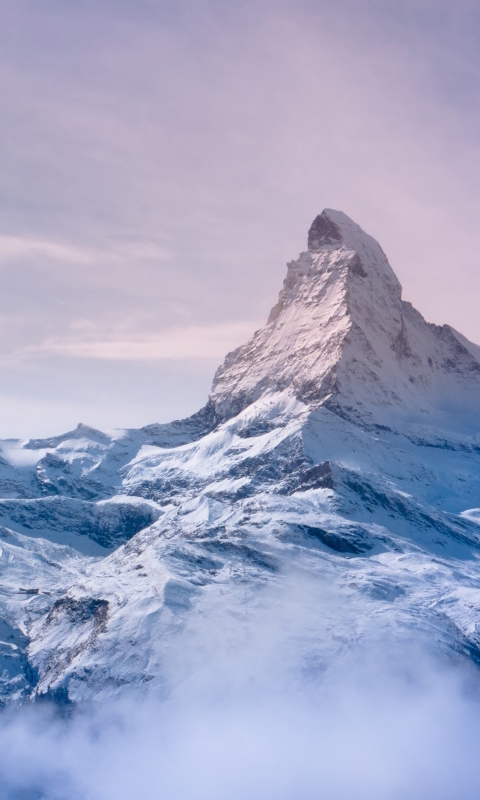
(342, 441)
(341, 337)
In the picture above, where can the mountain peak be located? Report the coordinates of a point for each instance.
(341, 334)
(334, 229)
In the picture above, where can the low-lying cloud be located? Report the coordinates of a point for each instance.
(257, 707)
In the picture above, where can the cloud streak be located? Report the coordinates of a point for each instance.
(14, 248)
(210, 342)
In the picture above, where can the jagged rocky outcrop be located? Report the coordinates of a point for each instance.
(343, 440)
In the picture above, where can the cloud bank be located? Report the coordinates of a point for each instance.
(255, 706)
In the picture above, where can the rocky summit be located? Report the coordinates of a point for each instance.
(341, 337)
(342, 442)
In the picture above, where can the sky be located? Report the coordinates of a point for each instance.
(161, 162)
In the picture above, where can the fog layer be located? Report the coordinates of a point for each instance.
(255, 706)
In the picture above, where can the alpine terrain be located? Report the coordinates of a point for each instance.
(340, 444)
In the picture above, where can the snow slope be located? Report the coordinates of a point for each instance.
(341, 443)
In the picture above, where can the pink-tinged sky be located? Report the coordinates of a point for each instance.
(162, 161)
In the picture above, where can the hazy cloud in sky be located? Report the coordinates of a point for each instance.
(162, 161)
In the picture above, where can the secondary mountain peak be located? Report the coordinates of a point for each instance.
(341, 334)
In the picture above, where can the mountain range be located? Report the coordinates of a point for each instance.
(342, 442)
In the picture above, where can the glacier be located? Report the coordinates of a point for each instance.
(339, 451)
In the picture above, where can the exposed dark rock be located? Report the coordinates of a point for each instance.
(322, 231)
(109, 524)
(80, 611)
(350, 540)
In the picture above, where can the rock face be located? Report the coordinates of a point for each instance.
(342, 440)
(341, 334)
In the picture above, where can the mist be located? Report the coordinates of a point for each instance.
(300, 693)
